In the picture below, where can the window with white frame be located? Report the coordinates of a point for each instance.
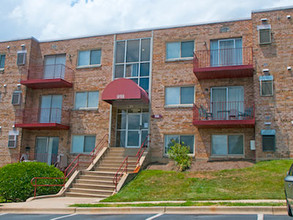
(133, 60)
(2, 61)
(186, 140)
(266, 85)
(224, 145)
(89, 58)
(179, 95)
(86, 100)
(83, 143)
(179, 50)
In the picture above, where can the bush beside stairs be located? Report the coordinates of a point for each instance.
(98, 182)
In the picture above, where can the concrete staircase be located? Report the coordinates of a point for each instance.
(99, 181)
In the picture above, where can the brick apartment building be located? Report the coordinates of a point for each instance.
(224, 89)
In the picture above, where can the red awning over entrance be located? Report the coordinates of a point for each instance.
(124, 90)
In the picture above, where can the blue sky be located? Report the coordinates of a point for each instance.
(57, 19)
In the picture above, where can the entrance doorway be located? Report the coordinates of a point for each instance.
(132, 127)
(47, 149)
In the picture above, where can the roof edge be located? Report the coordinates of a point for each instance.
(272, 9)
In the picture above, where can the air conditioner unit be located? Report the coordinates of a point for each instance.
(16, 98)
(21, 57)
(12, 141)
(264, 34)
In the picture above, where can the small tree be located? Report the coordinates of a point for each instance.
(179, 153)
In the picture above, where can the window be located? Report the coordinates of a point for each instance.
(223, 145)
(266, 85)
(227, 101)
(54, 66)
(86, 100)
(268, 142)
(179, 95)
(89, 58)
(226, 52)
(2, 61)
(16, 98)
(179, 50)
(187, 140)
(21, 57)
(132, 61)
(83, 144)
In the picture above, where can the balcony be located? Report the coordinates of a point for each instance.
(48, 76)
(236, 114)
(223, 63)
(42, 118)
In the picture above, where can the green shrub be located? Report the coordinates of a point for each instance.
(179, 153)
(15, 180)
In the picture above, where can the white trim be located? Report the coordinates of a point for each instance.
(64, 216)
(179, 59)
(89, 66)
(155, 216)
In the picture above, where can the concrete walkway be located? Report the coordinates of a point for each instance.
(61, 205)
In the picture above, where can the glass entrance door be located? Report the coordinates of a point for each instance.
(47, 149)
(132, 127)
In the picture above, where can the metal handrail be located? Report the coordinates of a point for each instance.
(223, 57)
(139, 154)
(240, 110)
(76, 164)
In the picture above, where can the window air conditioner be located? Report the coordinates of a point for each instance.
(21, 57)
(12, 141)
(264, 34)
(16, 98)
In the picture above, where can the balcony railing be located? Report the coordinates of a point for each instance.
(37, 118)
(224, 114)
(223, 63)
(49, 158)
(48, 76)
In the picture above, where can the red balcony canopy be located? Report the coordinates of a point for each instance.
(126, 91)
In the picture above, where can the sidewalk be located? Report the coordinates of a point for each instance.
(60, 205)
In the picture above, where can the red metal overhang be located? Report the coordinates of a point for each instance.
(46, 83)
(124, 90)
(43, 126)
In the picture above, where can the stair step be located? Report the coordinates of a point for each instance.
(71, 194)
(108, 181)
(119, 159)
(112, 149)
(94, 187)
(114, 166)
(98, 173)
(91, 191)
(96, 178)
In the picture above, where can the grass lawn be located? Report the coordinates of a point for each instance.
(264, 180)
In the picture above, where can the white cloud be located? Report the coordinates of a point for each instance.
(53, 19)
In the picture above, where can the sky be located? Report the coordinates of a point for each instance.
(59, 19)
